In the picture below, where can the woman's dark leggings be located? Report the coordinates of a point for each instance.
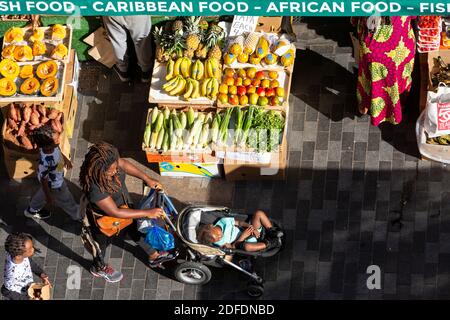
(104, 241)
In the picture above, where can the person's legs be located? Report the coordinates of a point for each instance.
(251, 247)
(64, 200)
(36, 207)
(12, 295)
(260, 219)
(115, 26)
(140, 28)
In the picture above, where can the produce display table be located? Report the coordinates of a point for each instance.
(21, 163)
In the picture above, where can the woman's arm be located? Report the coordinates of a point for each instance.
(130, 169)
(109, 207)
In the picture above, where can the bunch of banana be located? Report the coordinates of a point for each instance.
(182, 67)
(176, 86)
(210, 88)
(197, 70)
(170, 74)
(192, 89)
(212, 68)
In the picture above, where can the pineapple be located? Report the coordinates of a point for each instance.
(168, 26)
(177, 26)
(215, 52)
(192, 30)
(203, 24)
(213, 39)
(160, 40)
(201, 52)
(189, 53)
(250, 43)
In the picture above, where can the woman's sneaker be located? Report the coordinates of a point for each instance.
(40, 215)
(164, 256)
(107, 273)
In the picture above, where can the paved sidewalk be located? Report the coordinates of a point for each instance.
(347, 181)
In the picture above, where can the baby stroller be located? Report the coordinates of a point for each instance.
(194, 268)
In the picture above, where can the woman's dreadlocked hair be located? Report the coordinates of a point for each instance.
(97, 161)
(15, 243)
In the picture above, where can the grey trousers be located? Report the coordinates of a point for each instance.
(62, 198)
(139, 28)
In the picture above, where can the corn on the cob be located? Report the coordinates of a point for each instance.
(147, 134)
(190, 118)
(156, 129)
(183, 120)
(160, 138)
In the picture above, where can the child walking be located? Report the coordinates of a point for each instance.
(53, 188)
(19, 267)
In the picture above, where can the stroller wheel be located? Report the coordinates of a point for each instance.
(255, 290)
(193, 273)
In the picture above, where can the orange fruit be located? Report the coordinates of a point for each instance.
(229, 72)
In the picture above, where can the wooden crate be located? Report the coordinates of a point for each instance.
(158, 96)
(70, 108)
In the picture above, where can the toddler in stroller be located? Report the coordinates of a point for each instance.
(230, 233)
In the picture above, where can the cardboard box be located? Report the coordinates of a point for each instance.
(203, 170)
(20, 165)
(102, 50)
(238, 171)
(269, 24)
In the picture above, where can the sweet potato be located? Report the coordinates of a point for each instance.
(56, 126)
(44, 120)
(12, 113)
(12, 124)
(53, 114)
(18, 113)
(34, 116)
(26, 142)
(42, 110)
(21, 129)
(27, 113)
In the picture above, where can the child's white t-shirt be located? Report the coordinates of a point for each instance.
(17, 275)
(51, 166)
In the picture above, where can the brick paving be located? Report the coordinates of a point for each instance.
(347, 183)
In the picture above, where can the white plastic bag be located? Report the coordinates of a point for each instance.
(430, 151)
(437, 116)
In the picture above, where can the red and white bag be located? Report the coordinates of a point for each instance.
(437, 121)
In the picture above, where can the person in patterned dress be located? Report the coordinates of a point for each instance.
(386, 62)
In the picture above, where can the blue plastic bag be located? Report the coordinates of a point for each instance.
(159, 238)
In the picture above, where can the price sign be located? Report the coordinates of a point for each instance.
(243, 24)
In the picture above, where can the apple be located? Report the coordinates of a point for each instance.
(274, 84)
(232, 90)
(251, 89)
(233, 99)
(247, 82)
(241, 91)
(265, 83)
(259, 75)
(239, 81)
(251, 72)
(270, 92)
(223, 98)
(223, 88)
(243, 101)
(273, 75)
(256, 82)
(253, 98)
(275, 101)
(280, 92)
(260, 91)
(263, 101)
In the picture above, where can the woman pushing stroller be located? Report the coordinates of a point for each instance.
(230, 233)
